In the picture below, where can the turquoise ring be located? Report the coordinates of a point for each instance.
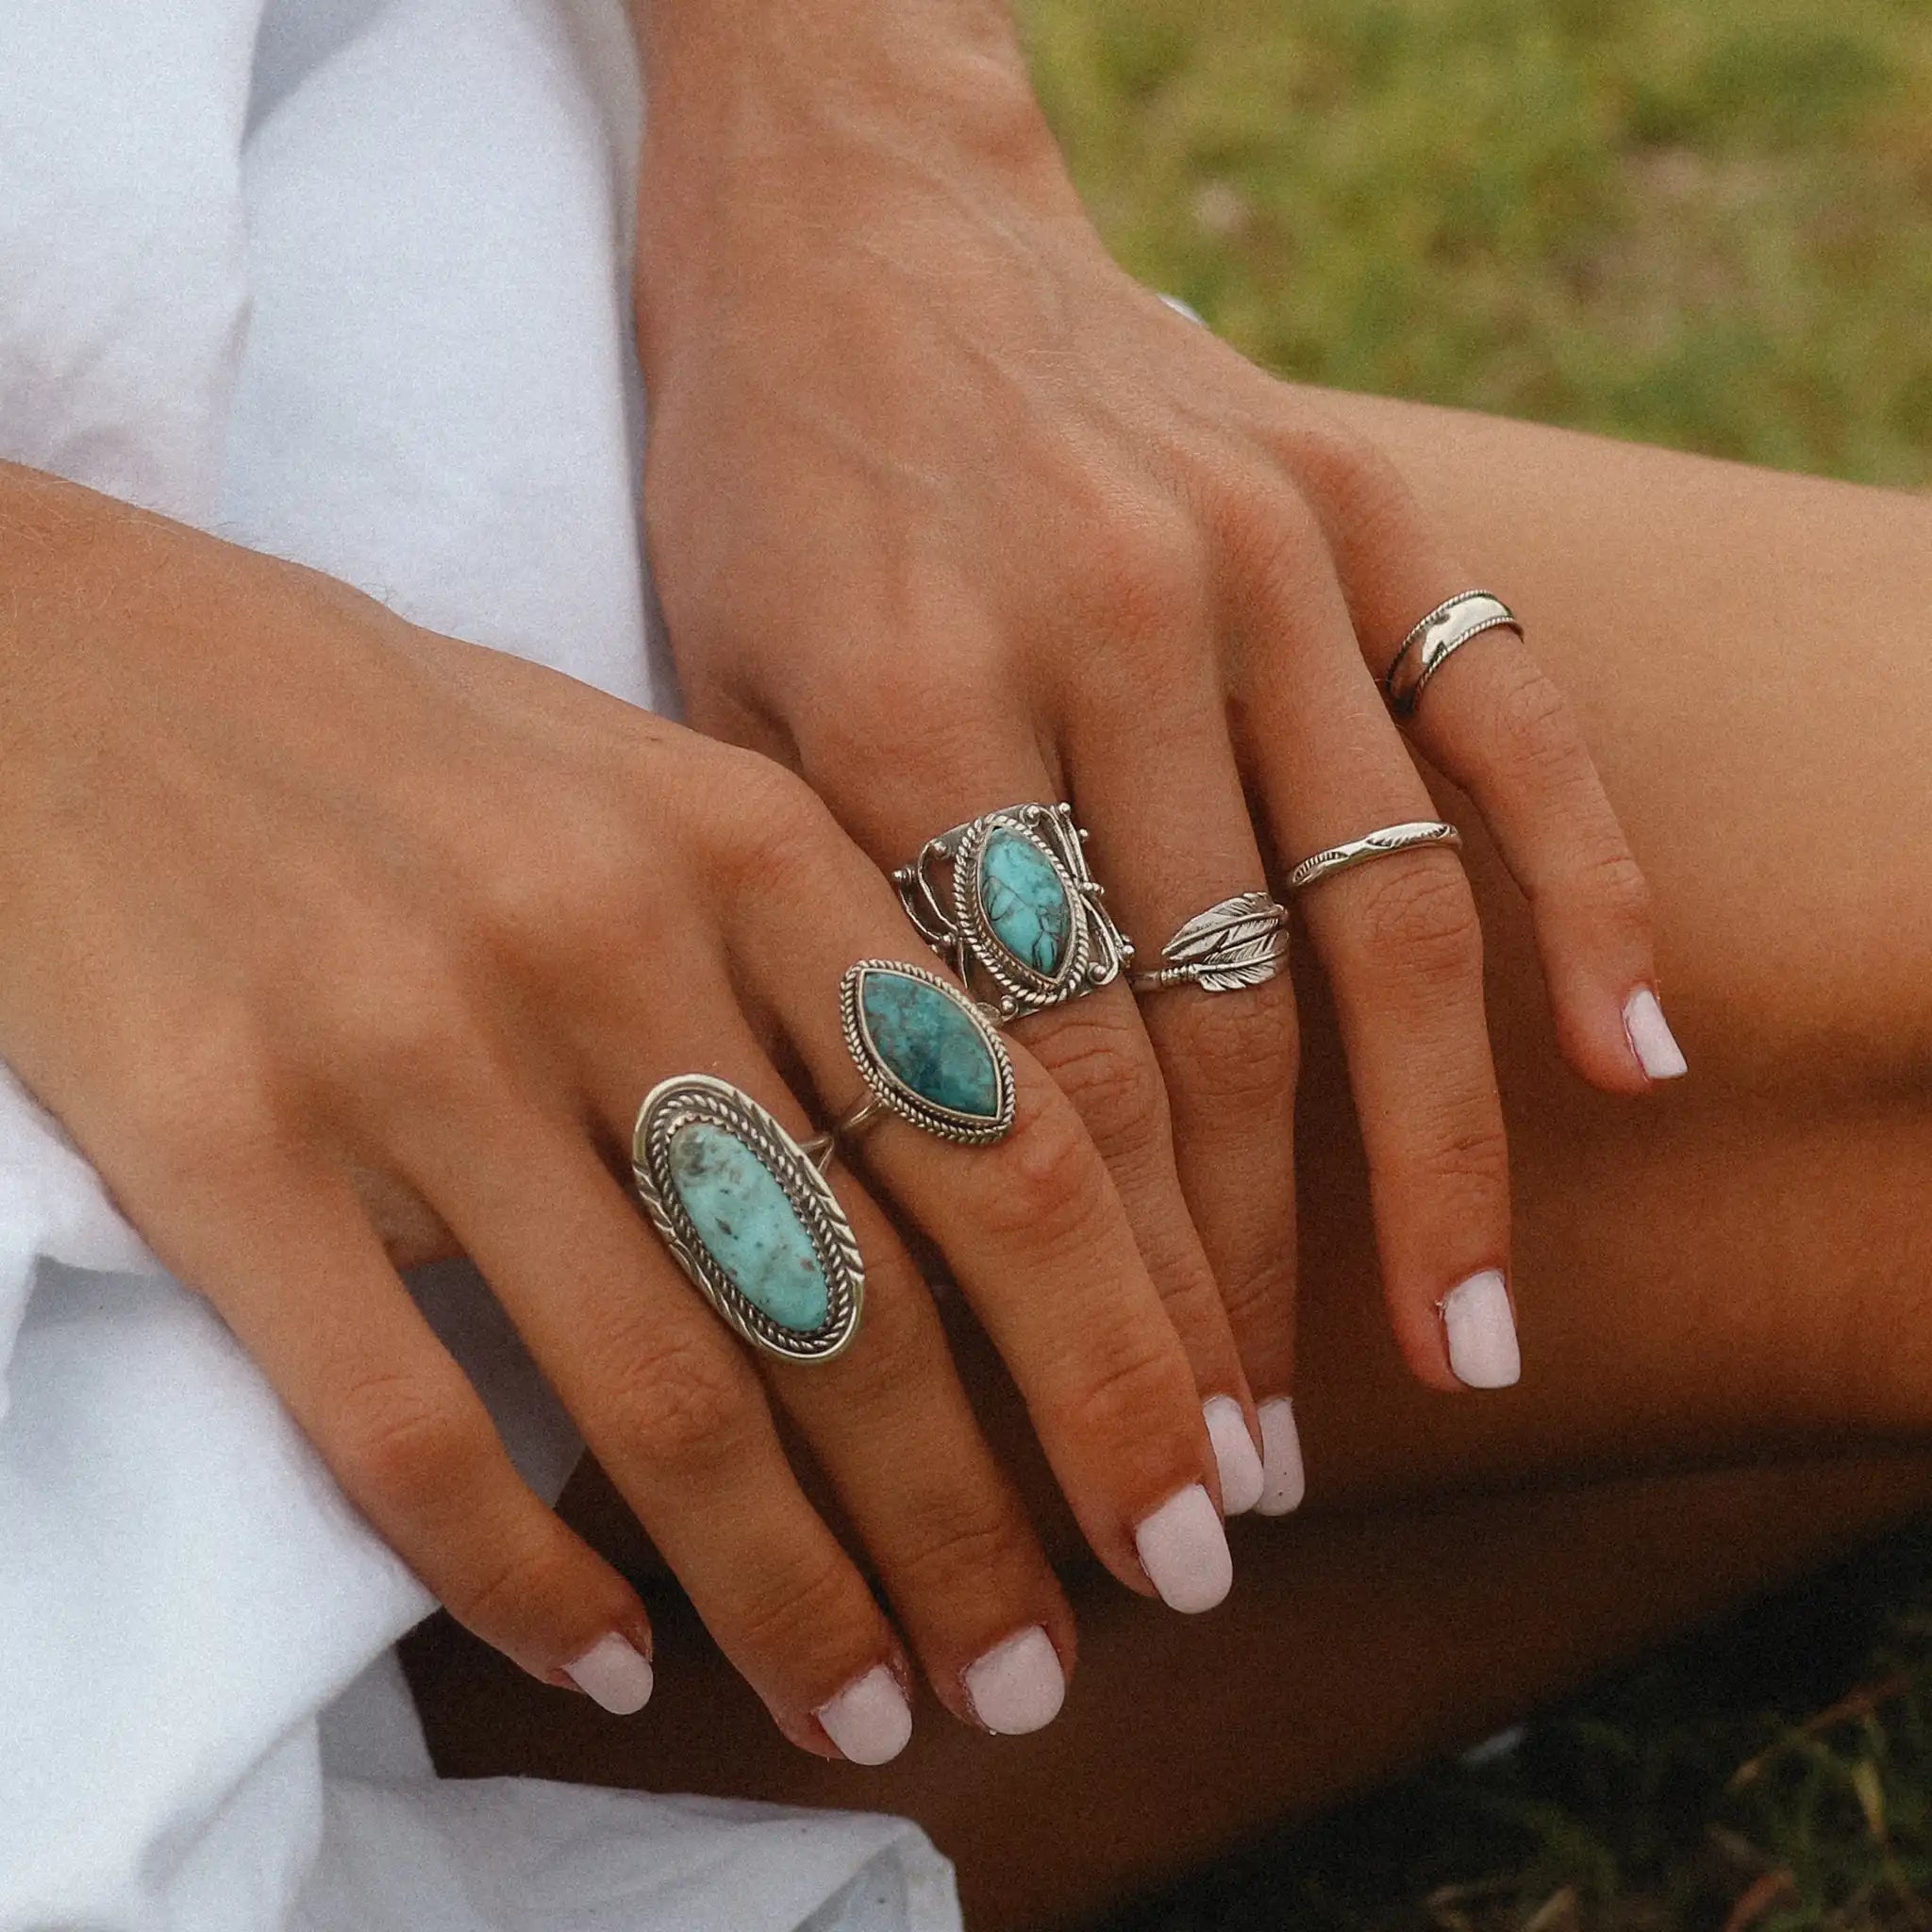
(749, 1218)
(1008, 898)
(927, 1052)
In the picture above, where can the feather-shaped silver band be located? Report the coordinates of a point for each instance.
(1237, 943)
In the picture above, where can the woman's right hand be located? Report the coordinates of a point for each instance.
(311, 909)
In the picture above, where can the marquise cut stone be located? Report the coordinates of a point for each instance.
(926, 1040)
(750, 1227)
(1026, 901)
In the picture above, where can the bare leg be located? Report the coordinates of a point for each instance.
(1737, 1268)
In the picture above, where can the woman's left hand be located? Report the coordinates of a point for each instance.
(949, 513)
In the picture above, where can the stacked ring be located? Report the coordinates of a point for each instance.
(1020, 908)
(749, 1218)
(1435, 638)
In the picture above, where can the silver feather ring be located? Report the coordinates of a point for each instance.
(1236, 944)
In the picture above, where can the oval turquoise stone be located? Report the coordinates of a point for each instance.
(1025, 902)
(742, 1216)
(927, 1041)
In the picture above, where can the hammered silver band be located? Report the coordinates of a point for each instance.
(1382, 844)
(1007, 901)
(1236, 944)
(1435, 638)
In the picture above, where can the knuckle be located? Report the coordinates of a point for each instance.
(1417, 921)
(1143, 573)
(679, 1411)
(1259, 1299)
(1097, 1062)
(408, 1442)
(203, 1113)
(967, 1542)
(1467, 1149)
(1131, 1382)
(1354, 479)
(1533, 722)
(517, 1587)
(407, 1030)
(1616, 883)
(551, 896)
(768, 827)
(1049, 1188)
(807, 1607)
(1242, 1052)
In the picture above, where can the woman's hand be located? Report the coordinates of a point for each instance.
(312, 912)
(948, 513)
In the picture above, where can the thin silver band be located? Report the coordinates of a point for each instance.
(1382, 844)
(822, 1149)
(1435, 638)
(1236, 944)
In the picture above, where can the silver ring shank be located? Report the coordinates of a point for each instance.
(1382, 844)
(1435, 638)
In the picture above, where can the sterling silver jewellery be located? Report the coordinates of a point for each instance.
(1237, 943)
(748, 1217)
(927, 1052)
(1009, 894)
(1437, 638)
(1390, 839)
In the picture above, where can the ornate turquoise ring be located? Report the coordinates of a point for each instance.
(749, 1218)
(927, 1052)
(1008, 897)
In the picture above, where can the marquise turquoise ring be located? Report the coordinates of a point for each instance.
(927, 1052)
(1008, 898)
(749, 1218)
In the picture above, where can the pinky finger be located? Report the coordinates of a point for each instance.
(1495, 724)
(294, 1268)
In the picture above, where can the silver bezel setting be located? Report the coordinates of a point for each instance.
(690, 1099)
(957, 926)
(973, 1130)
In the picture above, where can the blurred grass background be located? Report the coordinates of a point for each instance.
(1706, 223)
(1703, 223)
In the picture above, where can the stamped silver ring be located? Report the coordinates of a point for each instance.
(1435, 638)
(1382, 844)
(1237, 943)
(1008, 897)
(749, 1218)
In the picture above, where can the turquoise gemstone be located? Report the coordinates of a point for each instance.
(753, 1233)
(927, 1042)
(1025, 903)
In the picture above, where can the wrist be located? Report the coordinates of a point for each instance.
(770, 120)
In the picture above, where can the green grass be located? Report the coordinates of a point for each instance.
(1706, 223)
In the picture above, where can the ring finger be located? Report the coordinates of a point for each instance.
(1401, 949)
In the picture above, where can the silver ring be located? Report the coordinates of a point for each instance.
(1390, 839)
(1237, 943)
(749, 1218)
(1007, 896)
(1435, 638)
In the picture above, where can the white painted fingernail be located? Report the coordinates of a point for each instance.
(1184, 1551)
(1650, 1035)
(1234, 1455)
(1482, 1332)
(870, 1720)
(1283, 1484)
(614, 1675)
(1018, 1685)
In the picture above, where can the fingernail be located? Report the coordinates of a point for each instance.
(614, 1675)
(1482, 1332)
(1183, 1548)
(1234, 1455)
(1650, 1035)
(1283, 1485)
(1018, 1685)
(870, 1720)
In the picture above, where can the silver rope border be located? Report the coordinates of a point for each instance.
(972, 1130)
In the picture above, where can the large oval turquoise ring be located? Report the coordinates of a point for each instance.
(927, 1052)
(1008, 898)
(749, 1218)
